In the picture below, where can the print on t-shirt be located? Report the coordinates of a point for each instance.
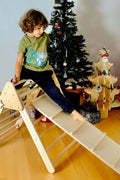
(36, 58)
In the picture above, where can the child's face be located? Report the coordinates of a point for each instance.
(38, 31)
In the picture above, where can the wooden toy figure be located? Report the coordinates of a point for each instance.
(103, 92)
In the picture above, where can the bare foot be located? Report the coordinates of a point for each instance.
(77, 116)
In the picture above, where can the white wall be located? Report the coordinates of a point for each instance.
(97, 20)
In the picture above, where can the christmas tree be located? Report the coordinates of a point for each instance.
(66, 51)
(102, 92)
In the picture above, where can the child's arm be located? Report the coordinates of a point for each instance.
(18, 67)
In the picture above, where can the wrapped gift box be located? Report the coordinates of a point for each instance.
(89, 110)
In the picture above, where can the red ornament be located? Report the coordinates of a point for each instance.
(99, 74)
(97, 101)
(60, 33)
(57, 25)
(104, 55)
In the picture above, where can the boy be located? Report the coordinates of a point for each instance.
(32, 60)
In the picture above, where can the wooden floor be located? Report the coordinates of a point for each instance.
(19, 158)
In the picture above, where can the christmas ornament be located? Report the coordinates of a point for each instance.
(64, 37)
(98, 88)
(61, 18)
(103, 62)
(55, 65)
(70, 25)
(55, 44)
(64, 63)
(77, 60)
(99, 74)
(104, 101)
(67, 12)
(57, 25)
(51, 45)
(105, 71)
(66, 54)
(60, 33)
(65, 74)
(104, 58)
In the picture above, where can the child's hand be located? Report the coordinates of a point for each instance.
(15, 80)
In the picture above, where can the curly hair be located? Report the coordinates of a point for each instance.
(31, 19)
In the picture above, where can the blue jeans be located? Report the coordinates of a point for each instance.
(45, 81)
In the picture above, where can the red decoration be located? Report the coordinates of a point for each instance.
(60, 33)
(117, 96)
(104, 55)
(45, 120)
(99, 74)
(97, 101)
(57, 25)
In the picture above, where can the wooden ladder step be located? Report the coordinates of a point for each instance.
(98, 142)
(107, 149)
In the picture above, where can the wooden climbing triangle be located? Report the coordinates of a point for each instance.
(84, 133)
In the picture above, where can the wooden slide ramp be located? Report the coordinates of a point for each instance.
(84, 133)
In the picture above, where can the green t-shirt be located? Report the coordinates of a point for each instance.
(35, 52)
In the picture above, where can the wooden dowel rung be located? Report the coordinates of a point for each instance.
(4, 132)
(5, 111)
(21, 81)
(24, 87)
(47, 130)
(8, 117)
(99, 140)
(76, 128)
(27, 92)
(52, 144)
(70, 145)
(5, 125)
